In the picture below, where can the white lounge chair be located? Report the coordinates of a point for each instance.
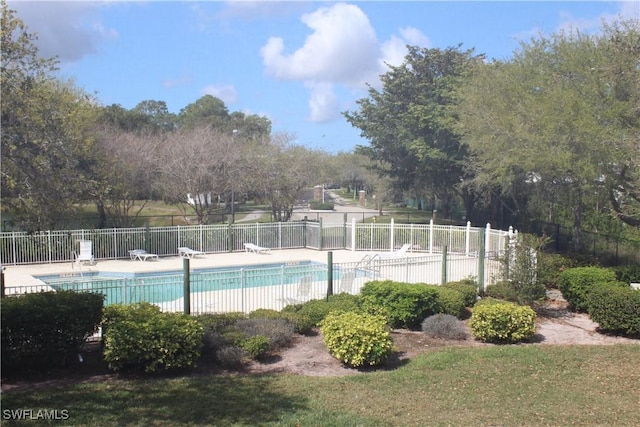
(85, 253)
(396, 254)
(141, 255)
(186, 252)
(346, 283)
(303, 293)
(250, 247)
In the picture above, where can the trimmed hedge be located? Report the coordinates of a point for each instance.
(576, 283)
(615, 309)
(141, 336)
(357, 339)
(503, 323)
(42, 330)
(405, 305)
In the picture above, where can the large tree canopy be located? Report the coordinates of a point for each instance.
(561, 121)
(409, 124)
(46, 133)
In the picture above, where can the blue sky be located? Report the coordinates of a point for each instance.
(298, 63)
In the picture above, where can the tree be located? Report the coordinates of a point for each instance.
(124, 174)
(209, 111)
(410, 125)
(281, 171)
(196, 168)
(46, 133)
(560, 123)
(158, 115)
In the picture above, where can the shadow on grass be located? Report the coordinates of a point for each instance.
(181, 401)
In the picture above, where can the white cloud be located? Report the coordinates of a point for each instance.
(342, 49)
(415, 37)
(68, 30)
(227, 93)
(323, 102)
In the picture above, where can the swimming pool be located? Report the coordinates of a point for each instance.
(165, 286)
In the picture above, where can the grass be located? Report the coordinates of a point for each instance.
(497, 385)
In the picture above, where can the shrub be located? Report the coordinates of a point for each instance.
(41, 330)
(407, 304)
(450, 301)
(217, 322)
(317, 205)
(444, 326)
(255, 346)
(550, 266)
(302, 324)
(616, 309)
(519, 268)
(468, 288)
(628, 273)
(501, 290)
(503, 323)
(318, 309)
(357, 339)
(575, 284)
(141, 336)
(279, 332)
(231, 356)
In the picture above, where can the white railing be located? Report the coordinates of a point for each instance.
(58, 245)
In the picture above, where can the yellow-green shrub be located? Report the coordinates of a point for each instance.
(503, 323)
(357, 339)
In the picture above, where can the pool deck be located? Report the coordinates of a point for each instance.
(23, 275)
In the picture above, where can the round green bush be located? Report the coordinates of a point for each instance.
(407, 303)
(141, 336)
(575, 284)
(503, 322)
(450, 301)
(468, 288)
(357, 339)
(616, 309)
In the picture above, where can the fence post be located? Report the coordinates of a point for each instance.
(320, 233)
(391, 233)
(329, 274)
(468, 238)
(443, 280)
(2, 291)
(431, 236)
(481, 257)
(187, 286)
(147, 238)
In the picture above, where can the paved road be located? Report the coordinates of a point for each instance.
(341, 207)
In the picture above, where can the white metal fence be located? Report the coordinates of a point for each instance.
(437, 254)
(115, 243)
(250, 288)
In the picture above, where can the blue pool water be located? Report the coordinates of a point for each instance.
(158, 287)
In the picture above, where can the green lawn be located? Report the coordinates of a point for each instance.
(499, 385)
